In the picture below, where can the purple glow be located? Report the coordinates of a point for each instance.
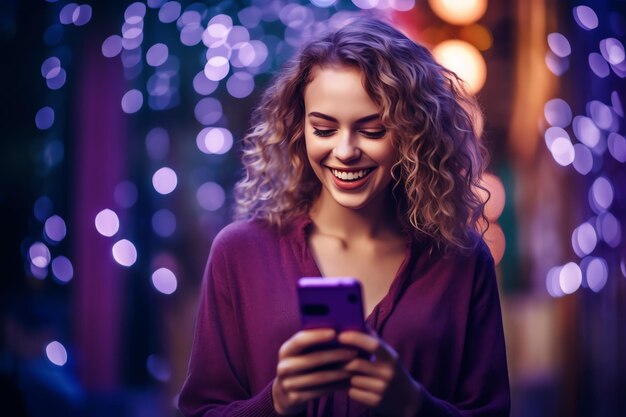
(44, 118)
(583, 159)
(130, 44)
(399, 5)
(67, 12)
(586, 131)
(39, 254)
(169, 12)
(38, 273)
(252, 54)
(164, 180)
(191, 34)
(132, 30)
(208, 111)
(556, 65)
(155, 4)
(612, 50)
(557, 112)
(328, 3)
(596, 273)
(164, 223)
(552, 282)
(216, 68)
(211, 196)
(223, 50)
(559, 45)
(585, 17)
(62, 269)
(159, 84)
(107, 223)
(584, 239)
(617, 147)
(57, 81)
(602, 193)
(157, 143)
(217, 30)
(365, 4)
(112, 46)
(51, 67)
(158, 368)
(189, 17)
(562, 151)
(202, 85)
(611, 229)
(250, 17)
(240, 84)
(131, 58)
(157, 54)
(56, 353)
(164, 281)
(135, 12)
(125, 194)
(132, 101)
(617, 104)
(42, 208)
(552, 133)
(570, 278)
(82, 15)
(124, 252)
(601, 114)
(55, 228)
(237, 35)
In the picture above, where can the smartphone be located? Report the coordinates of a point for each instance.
(331, 302)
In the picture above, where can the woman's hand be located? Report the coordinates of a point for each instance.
(382, 383)
(301, 377)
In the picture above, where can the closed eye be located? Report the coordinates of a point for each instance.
(376, 134)
(323, 133)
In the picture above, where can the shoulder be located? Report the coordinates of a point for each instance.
(242, 234)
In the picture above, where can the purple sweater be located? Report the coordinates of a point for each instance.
(442, 316)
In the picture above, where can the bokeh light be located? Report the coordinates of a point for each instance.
(39, 254)
(62, 269)
(55, 228)
(612, 50)
(557, 112)
(584, 239)
(164, 223)
(164, 281)
(459, 12)
(208, 111)
(42, 209)
(44, 118)
(598, 65)
(164, 180)
(463, 59)
(610, 229)
(157, 54)
(562, 151)
(617, 146)
(56, 353)
(585, 17)
(570, 278)
(112, 46)
(132, 101)
(583, 159)
(210, 196)
(214, 140)
(559, 45)
(107, 222)
(601, 193)
(202, 85)
(157, 143)
(240, 84)
(158, 368)
(586, 131)
(125, 194)
(596, 273)
(124, 252)
(553, 282)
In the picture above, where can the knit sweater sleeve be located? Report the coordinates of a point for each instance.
(216, 383)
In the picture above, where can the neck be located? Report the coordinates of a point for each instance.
(376, 220)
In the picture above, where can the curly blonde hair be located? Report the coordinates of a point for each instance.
(423, 105)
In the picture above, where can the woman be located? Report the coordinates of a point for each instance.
(362, 161)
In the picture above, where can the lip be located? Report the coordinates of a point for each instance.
(353, 184)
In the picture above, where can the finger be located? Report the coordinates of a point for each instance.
(299, 397)
(299, 364)
(381, 370)
(369, 384)
(315, 380)
(370, 343)
(368, 398)
(305, 339)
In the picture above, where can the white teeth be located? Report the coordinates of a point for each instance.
(350, 176)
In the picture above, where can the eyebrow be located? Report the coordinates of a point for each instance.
(365, 119)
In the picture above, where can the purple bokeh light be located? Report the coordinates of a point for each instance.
(583, 159)
(240, 84)
(617, 146)
(39, 254)
(562, 151)
(112, 46)
(164, 281)
(586, 131)
(202, 85)
(169, 12)
(55, 228)
(250, 16)
(132, 101)
(216, 68)
(56, 353)
(62, 269)
(158, 368)
(164, 223)
(82, 15)
(157, 54)
(570, 278)
(107, 223)
(612, 50)
(601, 114)
(157, 143)
(135, 12)
(57, 81)
(601, 193)
(208, 111)
(211, 196)
(556, 65)
(610, 229)
(53, 152)
(585, 17)
(596, 273)
(559, 45)
(557, 112)
(67, 12)
(42, 209)
(164, 180)
(552, 282)
(44, 119)
(191, 34)
(125, 194)
(584, 239)
(124, 252)
(51, 67)
(214, 140)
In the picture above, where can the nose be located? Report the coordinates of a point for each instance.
(347, 148)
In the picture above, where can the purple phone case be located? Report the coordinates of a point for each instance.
(331, 302)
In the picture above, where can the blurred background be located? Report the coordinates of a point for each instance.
(121, 124)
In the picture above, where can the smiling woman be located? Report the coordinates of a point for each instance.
(362, 161)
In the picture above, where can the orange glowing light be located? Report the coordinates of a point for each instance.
(463, 59)
(459, 12)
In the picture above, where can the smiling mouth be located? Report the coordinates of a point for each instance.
(351, 175)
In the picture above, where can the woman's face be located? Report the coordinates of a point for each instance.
(347, 146)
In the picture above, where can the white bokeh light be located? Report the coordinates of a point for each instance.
(107, 222)
(164, 180)
(124, 252)
(164, 281)
(56, 353)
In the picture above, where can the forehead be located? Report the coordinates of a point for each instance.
(338, 89)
